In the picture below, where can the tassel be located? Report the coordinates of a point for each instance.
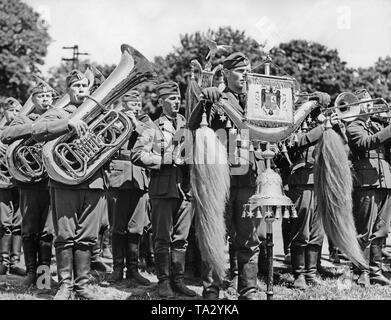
(210, 184)
(333, 190)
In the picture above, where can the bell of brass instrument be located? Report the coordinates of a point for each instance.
(24, 157)
(70, 159)
(348, 107)
(5, 172)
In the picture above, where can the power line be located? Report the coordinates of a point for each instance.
(75, 56)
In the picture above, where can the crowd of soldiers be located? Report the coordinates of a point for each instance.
(143, 195)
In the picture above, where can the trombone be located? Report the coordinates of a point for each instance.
(348, 107)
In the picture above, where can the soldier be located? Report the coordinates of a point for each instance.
(172, 212)
(10, 216)
(77, 209)
(246, 236)
(307, 232)
(127, 198)
(37, 225)
(369, 144)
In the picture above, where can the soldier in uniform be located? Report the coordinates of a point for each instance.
(369, 142)
(172, 212)
(246, 233)
(37, 225)
(10, 216)
(307, 232)
(77, 209)
(127, 198)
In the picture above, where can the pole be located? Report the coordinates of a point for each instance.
(75, 55)
(269, 255)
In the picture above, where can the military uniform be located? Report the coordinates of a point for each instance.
(306, 231)
(369, 143)
(37, 225)
(127, 198)
(171, 212)
(247, 233)
(10, 229)
(77, 209)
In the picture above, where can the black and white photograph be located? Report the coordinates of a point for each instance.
(194, 154)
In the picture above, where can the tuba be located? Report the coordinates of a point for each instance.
(24, 157)
(5, 172)
(70, 159)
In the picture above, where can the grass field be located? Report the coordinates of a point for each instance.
(332, 288)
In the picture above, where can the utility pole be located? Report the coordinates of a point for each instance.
(75, 56)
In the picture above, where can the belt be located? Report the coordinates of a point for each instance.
(372, 154)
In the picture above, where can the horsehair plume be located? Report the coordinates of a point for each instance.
(333, 190)
(210, 182)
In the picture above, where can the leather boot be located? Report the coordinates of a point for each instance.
(96, 261)
(233, 266)
(298, 267)
(64, 259)
(311, 262)
(16, 251)
(150, 256)
(5, 248)
(247, 281)
(118, 246)
(178, 271)
(375, 264)
(363, 279)
(30, 250)
(132, 253)
(164, 289)
(106, 246)
(385, 253)
(82, 263)
(45, 251)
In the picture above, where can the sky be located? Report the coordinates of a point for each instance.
(359, 29)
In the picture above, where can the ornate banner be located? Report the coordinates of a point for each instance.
(270, 101)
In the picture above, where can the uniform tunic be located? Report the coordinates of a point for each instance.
(172, 212)
(127, 194)
(34, 201)
(77, 209)
(369, 145)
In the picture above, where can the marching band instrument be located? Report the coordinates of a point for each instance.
(70, 159)
(349, 107)
(24, 157)
(5, 170)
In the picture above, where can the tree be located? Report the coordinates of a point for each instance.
(176, 65)
(376, 79)
(314, 66)
(23, 46)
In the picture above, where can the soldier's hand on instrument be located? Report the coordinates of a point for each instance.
(322, 97)
(334, 119)
(212, 94)
(130, 114)
(78, 125)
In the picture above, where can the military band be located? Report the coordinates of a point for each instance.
(146, 182)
